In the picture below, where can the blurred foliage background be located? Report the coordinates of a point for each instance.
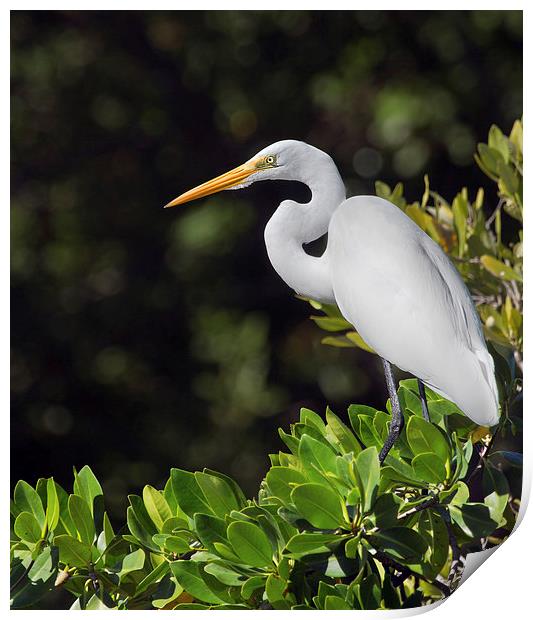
(144, 339)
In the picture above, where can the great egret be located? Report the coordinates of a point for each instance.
(391, 281)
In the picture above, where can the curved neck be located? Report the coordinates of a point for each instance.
(294, 224)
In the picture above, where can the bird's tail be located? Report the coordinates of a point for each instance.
(474, 391)
(486, 365)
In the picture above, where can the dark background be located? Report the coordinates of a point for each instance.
(144, 339)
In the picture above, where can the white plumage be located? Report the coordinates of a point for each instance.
(409, 303)
(389, 279)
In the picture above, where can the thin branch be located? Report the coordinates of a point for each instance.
(493, 215)
(518, 360)
(469, 261)
(404, 570)
(492, 300)
(24, 574)
(427, 504)
(518, 294)
(457, 565)
(513, 294)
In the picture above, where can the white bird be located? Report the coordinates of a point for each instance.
(391, 281)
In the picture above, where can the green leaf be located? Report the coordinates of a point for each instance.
(490, 159)
(38, 582)
(343, 434)
(27, 499)
(191, 576)
(275, 590)
(316, 456)
(432, 527)
(282, 480)
(508, 181)
(27, 528)
(139, 522)
(335, 602)
(307, 543)
(132, 562)
(239, 495)
(44, 567)
(498, 269)
(225, 575)
(87, 486)
(474, 519)
(385, 510)
(218, 493)
(252, 584)
(460, 216)
(367, 473)
(73, 552)
(319, 505)
(224, 551)
(423, 437)
(309, 417)
(400, 543)
(341, 342)
(429, 468)
(66, 525)
(499, 142)
(291, 442)
(167, 592)
(156, 506)
(188, 493)
(153, 577)
(109, 534)
(369, 593)
(496, 490)
(210, 529)
(96, 604)
(331, 324)
(250, 543)
(81, 516)
(52, 505)
(174, 544)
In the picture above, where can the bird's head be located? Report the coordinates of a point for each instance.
(281, 160)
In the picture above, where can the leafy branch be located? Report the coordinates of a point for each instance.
(330, 527)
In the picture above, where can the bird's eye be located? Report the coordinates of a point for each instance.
(268, 161)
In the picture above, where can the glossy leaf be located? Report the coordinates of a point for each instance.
(27, 499)
(27, 528)
(156, 506)
(318, 505)
(429, 468)
(425, 437)
(81, 516)
(190, 575)
(73, 552)
(188, 493)
(250, 543)
(400, 543)
(367, 470)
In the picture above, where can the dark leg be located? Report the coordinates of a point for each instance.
(422, 392)
(397, 421)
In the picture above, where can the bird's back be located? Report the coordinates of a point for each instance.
(409, 303)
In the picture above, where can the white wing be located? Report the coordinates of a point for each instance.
(407, 300)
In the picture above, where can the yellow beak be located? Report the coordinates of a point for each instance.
(224, 181)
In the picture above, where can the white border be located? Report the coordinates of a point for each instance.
(500, 586)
